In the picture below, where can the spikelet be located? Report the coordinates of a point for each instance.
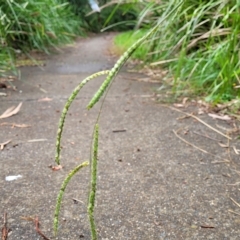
(93, 187)
(65, 110)
(61, 192)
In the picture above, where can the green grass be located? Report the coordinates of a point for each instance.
(124, 40)
(27, 25)
(200, 41)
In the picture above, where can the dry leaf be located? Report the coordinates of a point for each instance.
(2, 145)
(215, 116)
(20, 125)
(179, 105)
(11, 111)
(184, 101)
(223, 145)
(46, 99)
(37, 140)
(200, 111)
(56, 168)
(15, 125)
(237, 151)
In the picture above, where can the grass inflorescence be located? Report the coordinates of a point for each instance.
(94, 149)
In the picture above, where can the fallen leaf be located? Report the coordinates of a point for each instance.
(200, 111)
(223, 145)
(15, 125)
(184, 101)
(2, 145)
(215, 116)
(11, 111)
(21, 125)
(56, 168)
(46, 99)
(178, 105)
(237, 151)
(37, 140)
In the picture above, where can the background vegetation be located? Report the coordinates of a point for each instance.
(199, 44)
(30, 24)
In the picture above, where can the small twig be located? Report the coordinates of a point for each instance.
(201, 121)
(76, 200)
(37, 224)
(235, 202)
(231, 211)
(4, 228)
(214, 139)
(200, 149)
(36, 221)
(120, 130)
(234, 184)
(207, 226)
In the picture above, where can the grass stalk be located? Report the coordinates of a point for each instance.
(93, 187)
(122, 60)
(66, 108)
(61, 192)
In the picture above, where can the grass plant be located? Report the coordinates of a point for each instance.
(94, 149)
(199, 43)
(27, 25)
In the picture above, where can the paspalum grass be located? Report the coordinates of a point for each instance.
(94, 148)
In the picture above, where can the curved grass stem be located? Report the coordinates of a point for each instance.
(61, 192)
(122, 60)
(93, 187)
(65, 110)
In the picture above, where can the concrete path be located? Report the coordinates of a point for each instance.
(151, 185)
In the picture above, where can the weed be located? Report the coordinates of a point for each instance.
(94, 149)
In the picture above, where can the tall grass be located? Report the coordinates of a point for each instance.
(200, 42)
(30, 24)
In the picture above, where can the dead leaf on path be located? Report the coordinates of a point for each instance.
(15, 125)
(237, 151)
(179, 105)
(223, 145)
(5, 229)
(2, 145)
(56, 168)
(11, 111)
(46, 99)
(215, 116)
(37, 140)
(20, 125)
(184, 101)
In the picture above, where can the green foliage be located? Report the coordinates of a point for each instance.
(124, 40)
(200, 42)
(113, 16)
(30, 24)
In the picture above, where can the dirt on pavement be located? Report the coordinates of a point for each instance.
(151, 184)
